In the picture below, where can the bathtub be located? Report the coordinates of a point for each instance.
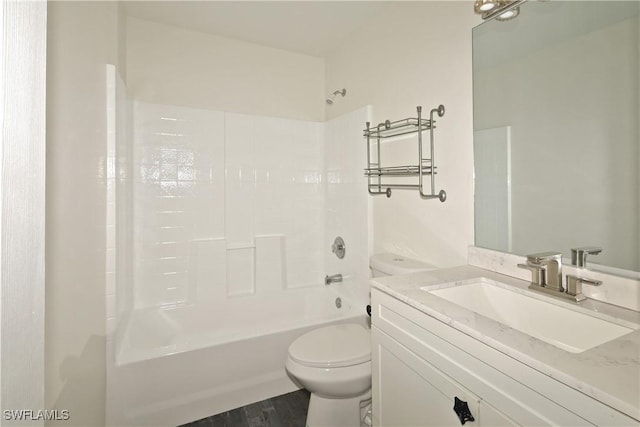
(178, 364)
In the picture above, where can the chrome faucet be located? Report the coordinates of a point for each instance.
(546, 276)
(546, 268)
(579, 255)
(334, 278)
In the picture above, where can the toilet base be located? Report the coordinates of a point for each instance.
(324, 412)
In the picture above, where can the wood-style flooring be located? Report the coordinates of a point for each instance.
(288, 410)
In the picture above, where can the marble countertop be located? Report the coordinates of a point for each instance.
(609, 372)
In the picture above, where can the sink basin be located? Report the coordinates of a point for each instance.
(559, 325)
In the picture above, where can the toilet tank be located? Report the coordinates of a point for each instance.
(390, 264)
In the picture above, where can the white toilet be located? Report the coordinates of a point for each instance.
(390, 264)
(334, 362)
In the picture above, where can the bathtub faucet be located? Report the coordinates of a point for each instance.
(334, 278)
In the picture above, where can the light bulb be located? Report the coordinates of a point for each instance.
(509, 14)
(483, 6)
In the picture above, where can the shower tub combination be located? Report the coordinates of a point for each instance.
(181, 364)
(223, 238)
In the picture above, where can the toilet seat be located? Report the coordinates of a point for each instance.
(333, 346)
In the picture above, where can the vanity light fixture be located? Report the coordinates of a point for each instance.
(502, 10)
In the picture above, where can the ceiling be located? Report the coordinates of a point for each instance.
(310, 27)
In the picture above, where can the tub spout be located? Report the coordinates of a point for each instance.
(334, 278)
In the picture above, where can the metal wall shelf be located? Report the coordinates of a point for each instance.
(378, 176)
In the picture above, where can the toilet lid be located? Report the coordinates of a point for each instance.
(394, 264)
(333, 346)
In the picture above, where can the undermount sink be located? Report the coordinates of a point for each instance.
(556, 324)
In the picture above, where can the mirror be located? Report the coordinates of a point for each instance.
(556, 140)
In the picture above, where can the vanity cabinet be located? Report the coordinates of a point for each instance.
(421, 364)
(414, 393)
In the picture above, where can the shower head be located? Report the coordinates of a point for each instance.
(331, 98)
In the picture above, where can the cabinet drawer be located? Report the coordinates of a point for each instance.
(515, 400)
(427, 397)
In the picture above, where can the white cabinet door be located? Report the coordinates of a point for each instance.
(411, 392)
(490, 417)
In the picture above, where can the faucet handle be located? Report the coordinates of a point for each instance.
(552, 262)
(537, 273)
(579, 255)
(535, 259)
(574, 285)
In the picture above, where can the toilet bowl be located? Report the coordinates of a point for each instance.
(334, 362)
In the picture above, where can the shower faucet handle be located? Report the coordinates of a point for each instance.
(338, 247)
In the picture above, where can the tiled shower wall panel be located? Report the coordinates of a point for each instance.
(224, 205)
(346, 198)
(239, 142)
(178, 198)
(289, 196)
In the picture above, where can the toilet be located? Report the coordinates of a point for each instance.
(390, 264)
(334, 362)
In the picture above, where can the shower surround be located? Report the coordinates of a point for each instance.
(225, 205)
(222, 228)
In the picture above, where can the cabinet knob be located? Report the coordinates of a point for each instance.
(461, 409)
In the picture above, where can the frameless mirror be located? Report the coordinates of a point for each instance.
(556, 140)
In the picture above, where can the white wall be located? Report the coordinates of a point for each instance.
(170, 65)
(417, 53)
(82, 38)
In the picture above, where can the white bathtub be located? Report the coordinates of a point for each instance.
(180, 364)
